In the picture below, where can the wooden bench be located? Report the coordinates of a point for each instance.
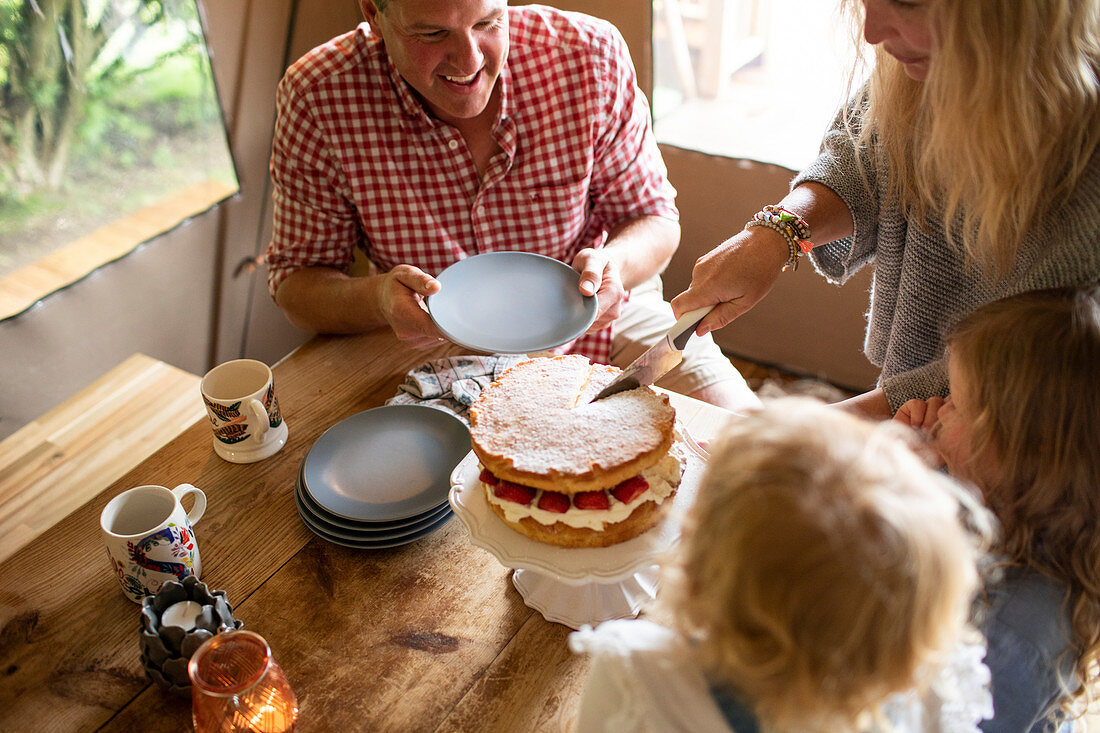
(57, 462)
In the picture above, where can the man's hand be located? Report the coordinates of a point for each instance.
(401, 297)
(600, 276)
(327, 300)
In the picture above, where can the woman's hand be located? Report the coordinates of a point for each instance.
(738, 273)
(734, 276)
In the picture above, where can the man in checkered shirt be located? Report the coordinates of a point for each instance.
(441, 129)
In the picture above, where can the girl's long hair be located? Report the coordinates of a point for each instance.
(1002, 128)
(1031, 361)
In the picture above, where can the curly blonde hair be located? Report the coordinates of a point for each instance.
(1002, 128)
(1031, 364)
(822, 564)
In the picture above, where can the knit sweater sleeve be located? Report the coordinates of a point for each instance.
(921, 383)
(911, 361)
(923, 284)
(853, 176)
(849, 173)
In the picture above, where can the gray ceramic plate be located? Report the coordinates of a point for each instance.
(328, 518)
(511, 303)
(385, 464)
(384, 538)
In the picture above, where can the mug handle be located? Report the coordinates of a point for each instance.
(257, 416)
(199, 508)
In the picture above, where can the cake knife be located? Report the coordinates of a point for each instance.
(660, 358)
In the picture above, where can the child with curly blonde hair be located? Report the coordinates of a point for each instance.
(1022, 423)
(823, 583)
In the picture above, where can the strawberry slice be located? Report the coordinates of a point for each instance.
(629, 489)
(514, 492)
(487, 477)
(591, 500)
(553, 501)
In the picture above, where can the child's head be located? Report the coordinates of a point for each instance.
(1023, 420)
(822, 564)
(1023, 423)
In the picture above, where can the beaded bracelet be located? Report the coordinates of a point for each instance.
(789, 224)
(792, 245)
(786, 217)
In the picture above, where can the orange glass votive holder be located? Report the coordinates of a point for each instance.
(237, 686)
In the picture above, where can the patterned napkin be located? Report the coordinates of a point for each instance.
(454, 382)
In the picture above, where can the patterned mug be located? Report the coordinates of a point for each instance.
(240, 401)
(149, 537)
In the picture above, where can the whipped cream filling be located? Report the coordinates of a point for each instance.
(663, 478)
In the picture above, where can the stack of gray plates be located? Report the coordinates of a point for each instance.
(381, 477)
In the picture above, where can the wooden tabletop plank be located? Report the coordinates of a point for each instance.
(532, 686)
(68, 640)
(60, 460)
(358, 664)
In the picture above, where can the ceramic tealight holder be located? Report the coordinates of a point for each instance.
(174, 623)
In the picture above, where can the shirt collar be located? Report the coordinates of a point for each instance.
(414, 116)
(505, 129)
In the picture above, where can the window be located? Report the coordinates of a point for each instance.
(756, 79)
(111, 133)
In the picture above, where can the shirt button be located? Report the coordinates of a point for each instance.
(453, 144)
(481, 208)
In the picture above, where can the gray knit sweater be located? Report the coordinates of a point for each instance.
(921, 286)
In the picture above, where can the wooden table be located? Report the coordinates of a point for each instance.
(428, 636)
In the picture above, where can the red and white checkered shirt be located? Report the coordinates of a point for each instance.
(358, 162)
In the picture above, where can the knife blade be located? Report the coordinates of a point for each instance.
(660, 359)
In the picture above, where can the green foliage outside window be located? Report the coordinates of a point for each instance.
(108, 106)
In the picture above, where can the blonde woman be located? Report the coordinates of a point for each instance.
(823, 583)
(1023, 424)
(967, 169)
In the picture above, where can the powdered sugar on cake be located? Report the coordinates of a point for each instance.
(536, 426)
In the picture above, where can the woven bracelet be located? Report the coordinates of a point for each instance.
(787, 218)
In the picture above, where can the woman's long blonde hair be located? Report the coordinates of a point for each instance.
(1002, 128)
(822, 565)
(1031, 364)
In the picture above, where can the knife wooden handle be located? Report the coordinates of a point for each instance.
(686, 325)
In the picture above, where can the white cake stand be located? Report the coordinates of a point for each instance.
(581, 586)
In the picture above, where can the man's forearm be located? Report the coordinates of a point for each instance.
(326, 300)
(642, 247)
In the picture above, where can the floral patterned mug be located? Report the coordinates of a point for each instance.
(149, 537)
(240, 401)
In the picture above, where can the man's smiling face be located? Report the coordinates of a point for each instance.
(451, 52)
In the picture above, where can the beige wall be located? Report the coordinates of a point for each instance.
(267, 335)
